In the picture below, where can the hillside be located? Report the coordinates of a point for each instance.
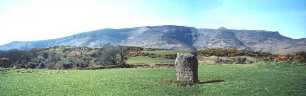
(174, 37)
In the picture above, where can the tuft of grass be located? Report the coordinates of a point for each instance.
(238, 80)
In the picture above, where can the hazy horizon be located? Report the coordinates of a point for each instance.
(27, 20)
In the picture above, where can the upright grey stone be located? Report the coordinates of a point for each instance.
(186, 69)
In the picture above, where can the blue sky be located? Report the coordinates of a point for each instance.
(27, 20)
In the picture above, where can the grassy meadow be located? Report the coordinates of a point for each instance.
(216, 80)
(148, 60)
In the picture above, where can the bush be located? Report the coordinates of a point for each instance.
(231, 52)
(4, 62)
(299, 57)
(65, 57)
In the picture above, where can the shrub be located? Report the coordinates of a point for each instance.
(65, 57)
(299, 57)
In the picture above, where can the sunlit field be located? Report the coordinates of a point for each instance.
(216, 80)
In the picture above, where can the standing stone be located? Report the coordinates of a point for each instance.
(186, 69)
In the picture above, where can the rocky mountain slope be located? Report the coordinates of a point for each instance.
(174, 37)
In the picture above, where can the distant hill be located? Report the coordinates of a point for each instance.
(174, 37)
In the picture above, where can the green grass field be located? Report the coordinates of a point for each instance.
(148, 60)
(239, 80)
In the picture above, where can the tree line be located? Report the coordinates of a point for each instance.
(65, 57)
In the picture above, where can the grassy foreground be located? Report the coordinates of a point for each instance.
(239, 80)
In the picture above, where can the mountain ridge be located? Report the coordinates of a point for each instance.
(174, 37)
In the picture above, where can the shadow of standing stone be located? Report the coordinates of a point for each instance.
(186, 69)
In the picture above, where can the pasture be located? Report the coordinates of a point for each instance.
(216, 80)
